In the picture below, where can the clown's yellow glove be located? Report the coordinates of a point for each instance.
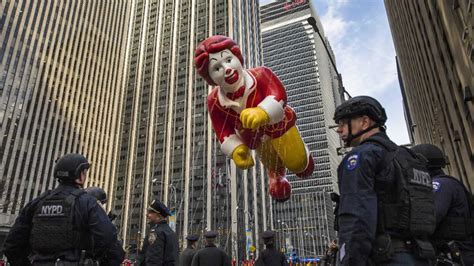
(242, 158)
(254, 118)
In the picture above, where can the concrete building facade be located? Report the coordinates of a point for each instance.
(434, 42)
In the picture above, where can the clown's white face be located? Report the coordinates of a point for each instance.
(226, 70)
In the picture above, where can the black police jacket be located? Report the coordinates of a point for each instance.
(89, 218)
(453, 212)
(451, 199)
(211, 255)
(271, 257)
(358, 201)
(373, 178)
(160, 246)
(186, 257)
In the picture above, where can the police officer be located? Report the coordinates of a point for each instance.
(386, 209)
(161, 243)
(97, 193)
(101, 197)
(64, 226)
(211, 255)
(270, 256)
(186, 257)
(454, 215)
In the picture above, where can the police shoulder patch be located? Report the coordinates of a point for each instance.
(436, 186)
(352, 161)
(152, 238)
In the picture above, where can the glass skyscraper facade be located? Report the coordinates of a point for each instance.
(167, 148)
(61, 88)
(297, 55)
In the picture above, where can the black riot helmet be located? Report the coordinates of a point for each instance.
(435, 157)
(70, 166)
(359, 106)
(97, 193)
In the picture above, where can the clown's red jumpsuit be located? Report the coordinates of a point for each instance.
(279, 136)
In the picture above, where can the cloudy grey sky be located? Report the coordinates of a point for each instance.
(360, 36)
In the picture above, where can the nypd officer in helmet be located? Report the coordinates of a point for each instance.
(160, 246)
(386, 209)
(101, 197)
(454, 235)
(97, 193)
(64, 226)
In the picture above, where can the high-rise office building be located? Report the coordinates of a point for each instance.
(61, 84)
(434, 41)
(167, 149)
(297, 55)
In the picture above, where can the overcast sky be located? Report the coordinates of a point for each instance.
(360, 37)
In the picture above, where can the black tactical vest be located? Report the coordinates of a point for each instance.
(404, 192)
(52, 229)
(456, 228)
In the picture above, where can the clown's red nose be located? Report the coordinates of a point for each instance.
(227, 71)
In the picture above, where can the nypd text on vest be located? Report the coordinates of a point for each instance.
(51, 210)
(421, 178)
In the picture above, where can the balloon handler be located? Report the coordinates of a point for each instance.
(248, 109)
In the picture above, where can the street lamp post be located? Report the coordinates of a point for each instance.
(173, 199)
(314, 243)
(173, 192)
(342, 90)
(287, 237)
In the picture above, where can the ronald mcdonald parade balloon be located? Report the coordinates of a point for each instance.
(248, 109)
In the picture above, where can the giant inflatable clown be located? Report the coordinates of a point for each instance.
(248, 111)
